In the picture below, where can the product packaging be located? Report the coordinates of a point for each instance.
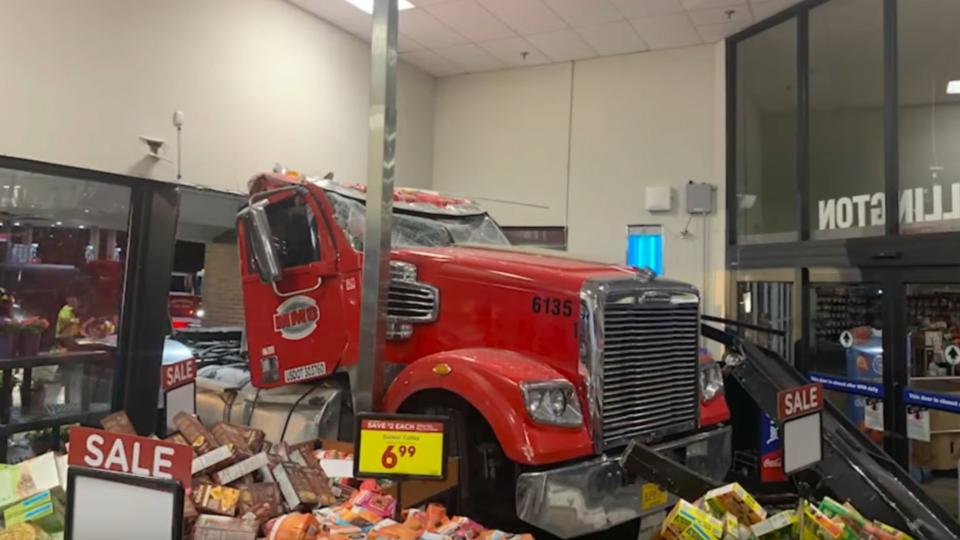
(224, 528)
(118, 422)
(812, 524)
(218, 458)
(293, 527)
(44, 510)
(28, 478)
(190, 427)
(227, 434)
(245, 467)
(687, 522)
(736, 500)
(321, 486)
(216, 499)
(24, 531)
(254, 438)
(295, 486)
(177, 438)
(776, 527)
(263, 500)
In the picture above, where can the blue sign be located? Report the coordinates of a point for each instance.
(848, 386)
(932, 400)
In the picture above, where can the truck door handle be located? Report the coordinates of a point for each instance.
(301, 291)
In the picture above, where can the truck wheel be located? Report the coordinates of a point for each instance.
(487, 491)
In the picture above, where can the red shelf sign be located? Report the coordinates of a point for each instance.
(142, 456)
(799, 401)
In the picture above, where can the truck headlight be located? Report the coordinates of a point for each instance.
(711, 380)
(552, 402)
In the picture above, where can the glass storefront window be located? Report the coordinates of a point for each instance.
(767, 304)
(205, 286)
(846, 174)
(62, 250)
(766, 141)
(929, 112)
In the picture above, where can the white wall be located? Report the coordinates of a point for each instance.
(259, 81)
(647, 119)
(502, 138)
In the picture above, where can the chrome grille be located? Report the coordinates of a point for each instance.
(649, 366)
(408, 301)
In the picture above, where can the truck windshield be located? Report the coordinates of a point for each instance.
(415, 229)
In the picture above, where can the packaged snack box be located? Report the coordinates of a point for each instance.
(118, 422)
(44, 511)
(897, 534)
(687, 522)
(812, 524)
(215, 499)
(734, 499)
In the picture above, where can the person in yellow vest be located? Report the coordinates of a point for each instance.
(68, 324)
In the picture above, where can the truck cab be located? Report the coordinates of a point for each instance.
(548, 366)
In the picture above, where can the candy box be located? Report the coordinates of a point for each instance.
(224, 528)
(245, 467)
(897, 534)
(225, 434)
(24, 531)
(199, 438)
(44, 510)
(217, 458)
(688, 522)
(263, 500)
(776, 527)
(28, 478)
(118, 422)
(736, 500)
(216, 499)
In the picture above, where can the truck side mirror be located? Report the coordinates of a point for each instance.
(260, 242)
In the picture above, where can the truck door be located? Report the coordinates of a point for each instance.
(294, 317)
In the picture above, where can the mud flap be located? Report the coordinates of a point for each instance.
(853, 467)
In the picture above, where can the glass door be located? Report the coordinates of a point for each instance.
(844, 342)
(932, 396)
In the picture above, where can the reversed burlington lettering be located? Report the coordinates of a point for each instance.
(917, 205)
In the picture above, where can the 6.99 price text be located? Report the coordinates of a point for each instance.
(390, 457)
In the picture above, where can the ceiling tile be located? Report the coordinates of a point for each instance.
(715, 32)
(612, 38)
(407, 44)
(667, 32)
(691, 5)
(331, 10)
(585, 12)
(510, 52)
(471, 20)
(470, 57)
(525, 16)
(733, 14)
(432, 63)
(762, 10)
(562, 45)
(635, 9)
(422, 27)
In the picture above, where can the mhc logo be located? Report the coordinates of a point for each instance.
(296, 318)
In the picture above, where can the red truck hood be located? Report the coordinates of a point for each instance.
(513, 266)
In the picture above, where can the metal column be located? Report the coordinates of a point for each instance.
(368, 379)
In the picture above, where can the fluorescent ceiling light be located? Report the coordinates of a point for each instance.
(367, 5)
(953, 87)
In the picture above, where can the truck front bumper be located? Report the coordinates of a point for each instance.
(597, 494)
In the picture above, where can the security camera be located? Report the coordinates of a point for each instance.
(154, 145)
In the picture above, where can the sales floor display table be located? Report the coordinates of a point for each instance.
(78, 363)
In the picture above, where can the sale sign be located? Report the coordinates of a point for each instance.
(392, 445)
(131, 454)
(799, 401)
(179, 374)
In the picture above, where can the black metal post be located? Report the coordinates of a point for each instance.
(144, 319)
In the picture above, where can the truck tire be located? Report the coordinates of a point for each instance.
(487, 484)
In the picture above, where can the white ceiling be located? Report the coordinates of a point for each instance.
(450, 37)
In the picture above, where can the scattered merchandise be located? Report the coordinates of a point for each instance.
(731, 513)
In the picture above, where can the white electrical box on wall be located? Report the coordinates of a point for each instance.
(659, 199)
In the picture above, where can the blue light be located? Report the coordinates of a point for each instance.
(645, 250)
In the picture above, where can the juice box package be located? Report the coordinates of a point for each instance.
(812, 524)
(736, 500)
(776, 527)
(687, 522)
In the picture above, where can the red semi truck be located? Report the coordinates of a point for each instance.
(548, 366)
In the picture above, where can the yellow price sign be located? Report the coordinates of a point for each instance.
(401, 445)
(652, 495)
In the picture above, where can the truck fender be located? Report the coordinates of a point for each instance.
(489, 380)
